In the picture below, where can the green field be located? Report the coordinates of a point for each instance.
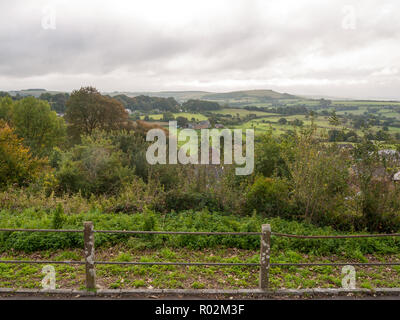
(234, 112)
(187, 115)
(265, 121)
(365, 103)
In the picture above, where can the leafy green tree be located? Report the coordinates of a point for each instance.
(146, 103)
(6, 108)
(57, 101)
(351, 136)
(333, 119)
(318, 173)
(168, 116)
(296, 122)
(182, 121)
(269, 160)
(194, 105)
(335, 135)
(282, 121)
(382, 135)
(40, 127)
(4, 94)
(324, 103)
(87, 110)
(134, 146)
(359, 123)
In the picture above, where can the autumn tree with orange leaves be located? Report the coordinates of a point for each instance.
(17, 165)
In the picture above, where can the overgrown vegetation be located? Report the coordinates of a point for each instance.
(94, 159)
(183, 221)
(57, 172)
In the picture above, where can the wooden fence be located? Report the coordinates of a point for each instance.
(265, 251)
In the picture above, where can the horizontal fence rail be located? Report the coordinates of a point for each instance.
(40, 230)
(200, 233)
(182, 263)
(42, 262)
(265, 251)
(336, 264)
(337, 237)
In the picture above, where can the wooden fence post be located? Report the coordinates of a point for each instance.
(265, 251)
(88, 237)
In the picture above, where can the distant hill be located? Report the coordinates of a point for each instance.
(263, 94)
(32, 92)
(182, 96)
(234, 96)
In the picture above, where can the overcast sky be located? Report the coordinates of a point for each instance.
(319, 47)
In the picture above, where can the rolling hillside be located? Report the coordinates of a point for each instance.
(254, 94)
(247, 96)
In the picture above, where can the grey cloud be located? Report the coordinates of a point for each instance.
(247, 41)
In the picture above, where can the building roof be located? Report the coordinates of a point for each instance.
(388, 152)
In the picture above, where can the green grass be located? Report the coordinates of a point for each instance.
(189, 116)
(241, 112)
(153, 116)
(271, 123)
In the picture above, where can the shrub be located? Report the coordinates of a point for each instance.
(93, 167)
(269, 159)
(268, 196)
(40, 127)
(180, 200)
(319, 174)
(378, 197)
(58, 218)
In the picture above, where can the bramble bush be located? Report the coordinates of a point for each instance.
(93, 167)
